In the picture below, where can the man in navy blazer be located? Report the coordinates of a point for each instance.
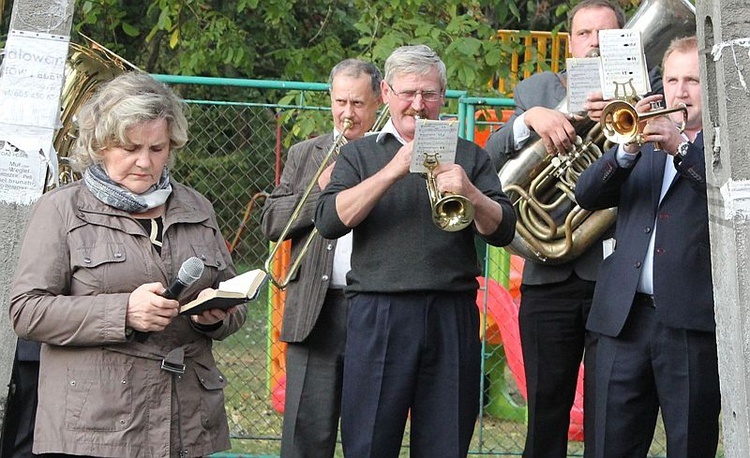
(653, 302)
(555, 298)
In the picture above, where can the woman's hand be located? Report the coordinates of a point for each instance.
(211, 316)
(148, 311)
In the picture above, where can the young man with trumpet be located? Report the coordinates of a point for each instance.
(413, 332)
(555, 298)
(314, 319)
(653, 303)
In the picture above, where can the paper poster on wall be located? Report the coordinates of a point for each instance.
(22, 174)
(32, 78)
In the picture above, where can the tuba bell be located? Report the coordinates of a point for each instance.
(88, 66)
(551, 227)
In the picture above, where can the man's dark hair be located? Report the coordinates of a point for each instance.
(583, 4)
(355, 68)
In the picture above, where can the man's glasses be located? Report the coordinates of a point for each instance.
(409, 96)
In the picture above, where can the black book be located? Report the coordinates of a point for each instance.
(237, 290)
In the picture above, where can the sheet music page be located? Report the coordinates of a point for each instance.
(433, 137)
(583, 79)
(623, 64)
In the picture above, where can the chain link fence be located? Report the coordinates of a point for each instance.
(234, 157)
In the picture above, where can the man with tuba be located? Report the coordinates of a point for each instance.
(314, 319)
(413, 333)
(555, 299)
(653, 306)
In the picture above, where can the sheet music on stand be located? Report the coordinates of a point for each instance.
(624, 73)
(583, 79)
(434, 138)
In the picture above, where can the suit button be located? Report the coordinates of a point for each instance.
(646, 230)
(659, 251)
(638, 264)
(324, 278)
(329, 247)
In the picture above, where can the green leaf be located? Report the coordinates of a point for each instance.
(469, 46)
(130, 30)
(174, 38)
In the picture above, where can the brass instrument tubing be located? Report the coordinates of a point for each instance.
(332, 152)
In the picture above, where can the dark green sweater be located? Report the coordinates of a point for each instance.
(397, 247)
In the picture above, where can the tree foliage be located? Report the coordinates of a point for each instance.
(300, 40)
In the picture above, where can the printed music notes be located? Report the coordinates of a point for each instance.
(583, 79)
(435, 138)
(624, 73)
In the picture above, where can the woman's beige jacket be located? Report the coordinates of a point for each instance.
(102, 392)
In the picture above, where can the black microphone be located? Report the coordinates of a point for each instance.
(190, 271)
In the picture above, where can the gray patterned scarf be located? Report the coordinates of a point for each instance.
(114, 195)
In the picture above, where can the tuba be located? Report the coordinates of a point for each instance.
(88, 66)
(551, 227)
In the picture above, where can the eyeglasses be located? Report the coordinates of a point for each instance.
(409, 96)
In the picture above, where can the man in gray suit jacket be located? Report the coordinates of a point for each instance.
(653, 308)
(555, 299)
(314, 319)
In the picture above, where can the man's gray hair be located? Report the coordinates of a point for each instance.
(417, 59)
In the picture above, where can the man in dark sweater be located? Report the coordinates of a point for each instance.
(413, 326)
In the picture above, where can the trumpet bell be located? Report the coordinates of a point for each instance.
(453, 213)
(620, 122)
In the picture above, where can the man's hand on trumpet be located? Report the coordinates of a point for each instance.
(660, 130)
(594, 105)
(452, 179)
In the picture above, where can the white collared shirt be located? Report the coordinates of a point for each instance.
(342, 254)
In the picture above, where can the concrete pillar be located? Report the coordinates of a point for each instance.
(724, 40)
(30, 89)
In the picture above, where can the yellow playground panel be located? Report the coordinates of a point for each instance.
(548, 47)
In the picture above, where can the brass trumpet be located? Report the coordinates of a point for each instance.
(333, 151)
(450, 212)
(622, 124)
